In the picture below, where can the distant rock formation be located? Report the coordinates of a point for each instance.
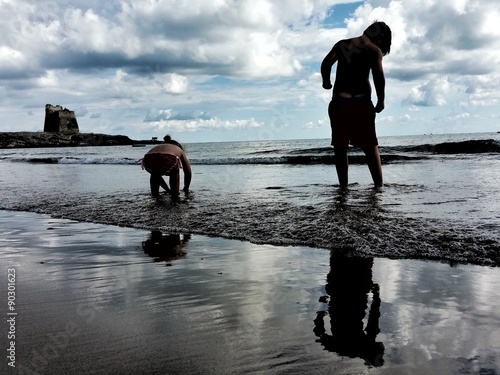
(60, 120)
(52, 139)
(61, 130)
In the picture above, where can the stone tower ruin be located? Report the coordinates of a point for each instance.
(60, 120)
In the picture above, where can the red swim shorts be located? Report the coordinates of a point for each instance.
(161, 163)
(352, 121)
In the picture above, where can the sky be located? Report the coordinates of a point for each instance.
(237, 70)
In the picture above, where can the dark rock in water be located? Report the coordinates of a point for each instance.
(60, 120)
(473, 146)
(52, 139)
(468, 147)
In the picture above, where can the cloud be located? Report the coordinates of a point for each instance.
(12, 63)
(156, 115)
(482, 90)
(169, 125)
(430, 93)
(238, 61)
(436, 37)
(244, 38)
(171, 120)
(171, 83)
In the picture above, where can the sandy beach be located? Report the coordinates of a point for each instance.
(97, 299)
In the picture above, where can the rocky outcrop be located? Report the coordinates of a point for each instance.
(60, 120)
(53, 139)
(61, 130)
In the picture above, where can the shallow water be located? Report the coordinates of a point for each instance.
(440, 199)
(426, 210)
(108, 300)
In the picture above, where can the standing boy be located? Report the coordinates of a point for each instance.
(351, 111)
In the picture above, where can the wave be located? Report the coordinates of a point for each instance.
(389, 154)
(283, 160)
(304, 156)
(76, 160)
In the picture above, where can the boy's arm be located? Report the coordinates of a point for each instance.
(326, 67)
(379, 82)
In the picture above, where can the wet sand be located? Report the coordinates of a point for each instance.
(97, 299)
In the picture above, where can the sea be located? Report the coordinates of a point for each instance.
(440, 199)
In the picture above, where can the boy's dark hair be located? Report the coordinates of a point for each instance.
(168, 139)
(380, 34)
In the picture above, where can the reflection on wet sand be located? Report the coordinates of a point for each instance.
(349, 284)
(165, 247)
(233, 307)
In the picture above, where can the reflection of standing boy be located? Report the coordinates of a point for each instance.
(349, 283)
(352, 114)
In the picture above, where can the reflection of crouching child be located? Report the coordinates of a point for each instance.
(165, 247)
(167, 159)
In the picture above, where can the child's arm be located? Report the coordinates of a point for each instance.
(326, 67)
(379, 82)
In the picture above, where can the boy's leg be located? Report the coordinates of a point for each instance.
(342, 165)
(175, 182)
(163, 184)
(374, 164)
(154, 183)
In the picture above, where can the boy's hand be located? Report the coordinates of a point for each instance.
(327, 85)
(380, 106)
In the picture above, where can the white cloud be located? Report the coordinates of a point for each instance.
(200, 124)
(11, 59)
(459, 117)
(173, 83)
(157, 115)
(430, 93)
(482, 90)
(320, 123)
(405, 118)
(236, 60)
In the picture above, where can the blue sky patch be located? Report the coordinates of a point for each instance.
(338, 13)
